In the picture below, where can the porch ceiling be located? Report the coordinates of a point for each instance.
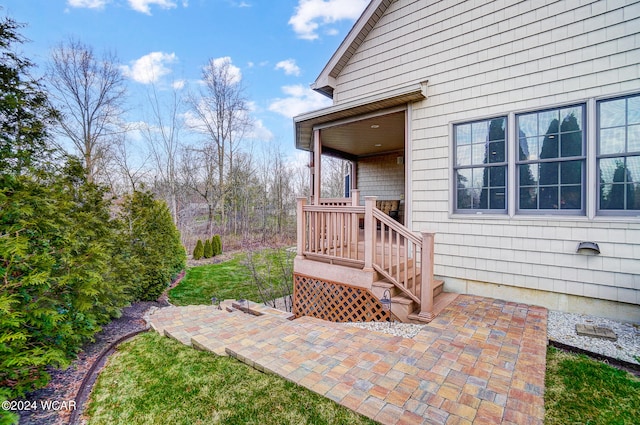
(346, 128)
(370, 136)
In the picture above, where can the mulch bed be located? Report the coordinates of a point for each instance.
(65, 383)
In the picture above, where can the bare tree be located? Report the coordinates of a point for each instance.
(220, 112)
(162, 132)
(89, 93)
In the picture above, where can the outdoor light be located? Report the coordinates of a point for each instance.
(386, 302)
(588, 248)
(215, 301)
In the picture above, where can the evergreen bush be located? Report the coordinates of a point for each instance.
(198, 251)
(216, 244)
(208, 249)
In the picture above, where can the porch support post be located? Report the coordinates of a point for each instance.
(301, 226)
(369, 232)
(426, 274)
(317, 152)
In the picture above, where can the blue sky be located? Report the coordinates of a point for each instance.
(278, 47)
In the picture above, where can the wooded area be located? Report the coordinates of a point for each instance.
(200, 154)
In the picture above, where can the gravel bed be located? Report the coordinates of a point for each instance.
(405, 330)
(562, 328)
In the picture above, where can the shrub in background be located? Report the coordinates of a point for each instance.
(198, 251)
(208, 249)
(216, 244)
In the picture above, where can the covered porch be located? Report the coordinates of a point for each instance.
(362, 243)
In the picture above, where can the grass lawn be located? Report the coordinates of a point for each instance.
(231, 279)
(580, 390)
(156, 380)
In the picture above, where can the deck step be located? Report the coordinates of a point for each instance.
(440, 302)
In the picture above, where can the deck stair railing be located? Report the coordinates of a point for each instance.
(331, 232)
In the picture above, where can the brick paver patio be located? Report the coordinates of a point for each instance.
(481, 361)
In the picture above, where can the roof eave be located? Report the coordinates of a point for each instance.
(326, 83)
(305, 123)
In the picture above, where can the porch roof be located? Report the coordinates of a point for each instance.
(365, 107)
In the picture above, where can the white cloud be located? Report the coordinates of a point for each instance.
(289, 67)
(143, 5)
(178, 84)
(233, 72)
(299, 99)
(260, 132)
(89, 4)
(149, 68)
(311, 14)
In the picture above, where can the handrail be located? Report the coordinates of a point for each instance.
(398, 259)
(334, 233)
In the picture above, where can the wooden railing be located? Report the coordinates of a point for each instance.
(332, 233)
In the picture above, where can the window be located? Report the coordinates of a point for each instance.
(550, 165)
(619, 155)
(480, 166)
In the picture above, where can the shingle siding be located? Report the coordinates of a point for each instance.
(484, 58)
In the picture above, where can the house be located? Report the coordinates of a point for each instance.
(510, 134)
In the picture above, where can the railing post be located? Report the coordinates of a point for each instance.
(355, 197)
(369, 232)
(301, 226)
(426, 275)
(355, 220)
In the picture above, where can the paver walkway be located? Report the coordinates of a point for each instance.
(481, 361)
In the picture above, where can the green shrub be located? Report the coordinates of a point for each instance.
(198, 251)
(155, 243)
(208, 249)
(216, 244)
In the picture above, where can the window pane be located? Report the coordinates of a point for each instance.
(529, 149)
(528, 125)
(463, 134)
(496, 152)
(548, 197)
(608, 169)
(571, 144)
(483, 201)
(548, 123)
(464, 178)
(633, 196)
(612, 113)
(479, 154)
(605, 195)
(549, 148)
(571, 119)
(464, 199)
(497, 199)
(633, 169)
(549, 173)
(528, 198)
(463, 155)
(496, 129)
(528, 174)
(612, 140)
(479, 132)
(571, 172)
(478, 178)
(570, 197)
(633, 138)
(633, 110)
(497, 176)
